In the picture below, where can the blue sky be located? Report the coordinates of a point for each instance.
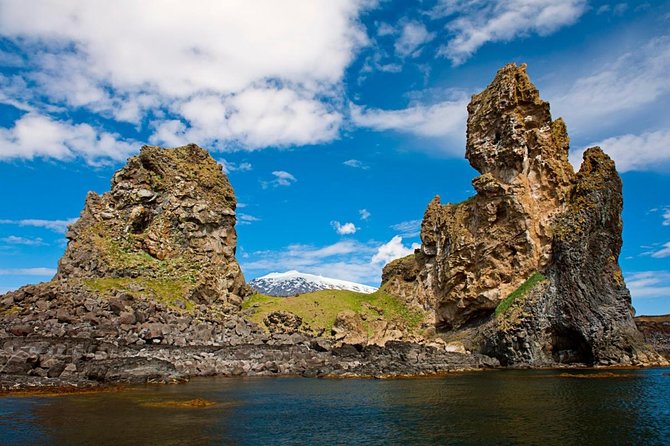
(337, 120)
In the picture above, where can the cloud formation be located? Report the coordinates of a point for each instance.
(412, 37)
(615, 91)
(28, 272)
(344, 228)
(221, 73)
(648, 284)
(474, 23)
(393, 249)
(246, 219)
(229, 166)
(648, 151)
(59, 226)
(443, 121)
(663, 252)
(409, 228)
(26, 241)
(283, 178)
(357, 164)
(38, 136)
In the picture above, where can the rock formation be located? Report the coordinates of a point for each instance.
(532, 215)
(169, 217)
(149, 290)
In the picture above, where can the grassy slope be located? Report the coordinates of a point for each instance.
(320, 309)
(523, 289)
(168, 292)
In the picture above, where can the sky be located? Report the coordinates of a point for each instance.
(337, 121)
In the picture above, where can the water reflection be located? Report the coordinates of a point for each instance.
(501, 407)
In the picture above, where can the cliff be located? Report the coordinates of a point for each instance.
(530, 261)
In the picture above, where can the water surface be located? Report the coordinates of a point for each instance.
(496, 407)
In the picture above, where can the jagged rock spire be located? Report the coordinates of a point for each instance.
(531, 216)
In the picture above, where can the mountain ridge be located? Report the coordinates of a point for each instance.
(290, 283)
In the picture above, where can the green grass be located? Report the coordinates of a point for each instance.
(523, 289)
(165, 291)
(319, 310)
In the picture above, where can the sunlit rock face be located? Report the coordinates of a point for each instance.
(476, 252)
(532, 216)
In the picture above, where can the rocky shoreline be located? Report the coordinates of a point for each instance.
(84, 363)
(48, 366)
(523, 274)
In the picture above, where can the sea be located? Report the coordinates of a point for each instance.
(498, 407)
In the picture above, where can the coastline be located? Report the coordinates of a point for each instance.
(58, 389)
(123, 366)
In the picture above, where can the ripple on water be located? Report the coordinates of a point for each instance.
(498, 407)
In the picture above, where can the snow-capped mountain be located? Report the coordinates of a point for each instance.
(295, 282)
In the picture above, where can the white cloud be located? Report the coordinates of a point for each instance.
(617, 89)
(355, 164)
(413, 36)
(445, 120)
(228, 74)
(648, 151)
(475, 23)
(59, 226)
(229, 166)
(27, 241)
(663, 252)
(246, 219)
(344, 228)
(409, 228)
(283, 178)
(254, 118)
(35, 135)
(648, 284)
(28, 272)
(666, 217)
(365, 214)
(392, 250)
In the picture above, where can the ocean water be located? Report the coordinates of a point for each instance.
(496, 407)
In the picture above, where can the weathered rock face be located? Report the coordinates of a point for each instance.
(531, 214)
(582, 312)
(170, 217)
(475, 253)
(150, 262)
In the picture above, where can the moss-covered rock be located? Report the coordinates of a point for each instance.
(169, 216)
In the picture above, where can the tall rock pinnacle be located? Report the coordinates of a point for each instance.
(476, 252)
(531, 216)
